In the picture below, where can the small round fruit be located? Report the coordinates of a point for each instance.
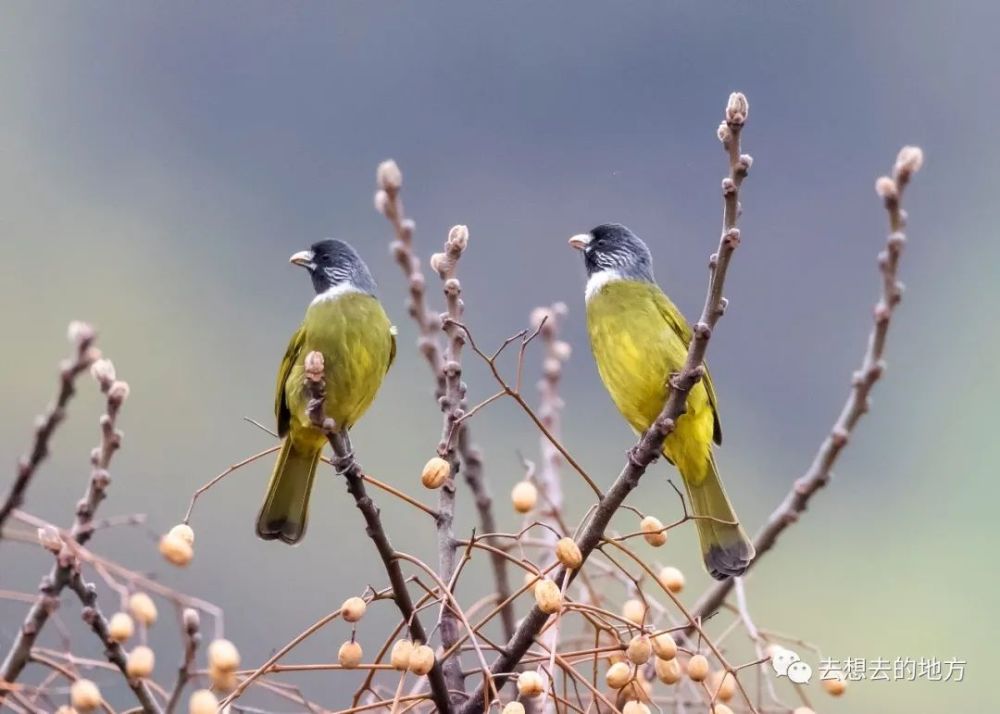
(547, 596)
(223, 656)
(835, 684)
(664, 645)
(513, 708)
(142, 608)
(720, 708)
(176, 550)
(524, 496)
(140, 662)
(421, 660)
(399, 658)
(349, 655)
(668, 671)
(84, 695)
(803, 710)
(672, 579)
(436, 472)
(652, 529)
(568, 553)
(697, 668)
(530, 684)
(639, 650)
(353, 609)
(203, 702)
(635, 707)
(634, 611)
(121, 627)
(223, 681)
(184, 532)
(619, 674)
(722, 685)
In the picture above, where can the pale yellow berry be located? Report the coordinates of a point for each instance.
(619, 674)
(547, 596)
(349, 655)
(668, 671)
(353, 609)
(513, 708)
(720, 708)
(697, 668)
(184, 531)
(524, 495)
(421, 660)
(222, 680)
(399, 658)
(530, 578)
(803, 710)
(530, 684)
(140, 662)
(722, 685)
(84, 695)
(142, 608)
(635, 707)
(436, 472)
(203, 702)
(834, 683)
(223, 656)
(672, 579)
(121, 627)
(639, 650)
(568, 553)
(652, 529)
(176, 550)
(664, 646)
(64, 709)
(634, 611)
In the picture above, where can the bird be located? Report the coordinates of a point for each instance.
(346, 323)
(639, 340)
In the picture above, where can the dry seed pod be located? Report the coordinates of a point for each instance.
(568, 553)
(223, 656)
(184, 532)
(140, 662)
(547, 596)
(835, 684)
(672, 579)
(203, 702)
(652, 529)
(176, 550)
(664, 646)
(634, 611)
(400, 656)
(530, 684)
(353, 609)
(635, 707)
(697, 668)
(349, 655)
(524, 495)
(618, 675)
(142, 608)
(513, 708)
(639, 650)
(668, 671)
(421, 660)
(121, 627)
(84, 695)
(436, 472)
(722, 685)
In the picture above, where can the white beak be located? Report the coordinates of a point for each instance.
(303, 258)
(580, 241)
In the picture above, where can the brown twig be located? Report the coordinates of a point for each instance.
(191, 625)
(347, 466)
(61, 574)
(82, 336)
(872, 367)
(650, 444)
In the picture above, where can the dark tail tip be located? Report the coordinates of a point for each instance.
(281, 529)
(729, 560)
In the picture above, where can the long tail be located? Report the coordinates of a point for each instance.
(283, 515)
(725, 547)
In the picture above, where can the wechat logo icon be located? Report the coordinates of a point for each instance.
(788, 664)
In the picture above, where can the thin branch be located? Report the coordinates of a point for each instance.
(191, 625)
(872, 367)
(650, 444)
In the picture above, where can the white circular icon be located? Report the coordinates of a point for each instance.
(799, 672)
(782, 659)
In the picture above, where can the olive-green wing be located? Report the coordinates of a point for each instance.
(392, 350)
(281, 411)
(680, 327)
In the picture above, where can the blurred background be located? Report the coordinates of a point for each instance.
(160, 162)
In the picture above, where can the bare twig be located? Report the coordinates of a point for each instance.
(191, 624)
(872, 367)
(650, 444)
(82, 336)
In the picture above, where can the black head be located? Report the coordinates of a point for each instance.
(612, 246)
(332, 263)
